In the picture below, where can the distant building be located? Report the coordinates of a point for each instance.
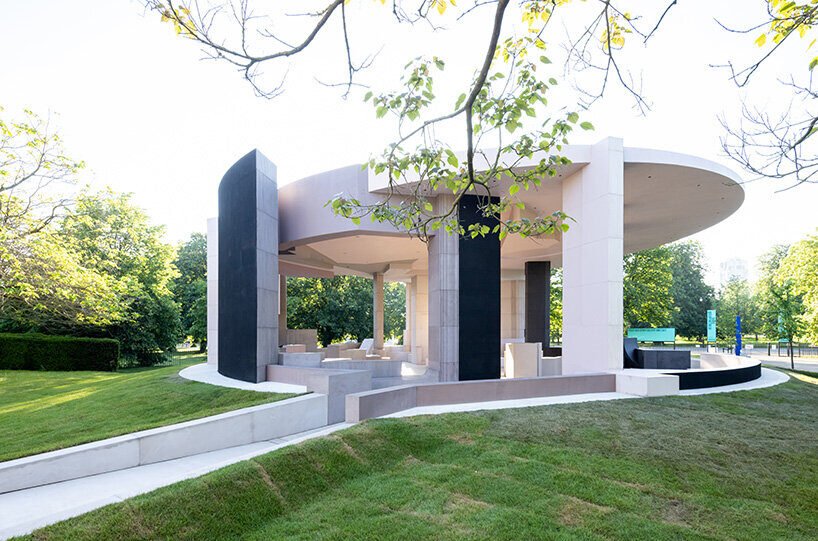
(733, 269)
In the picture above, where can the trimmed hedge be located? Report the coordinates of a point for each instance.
(32, 351)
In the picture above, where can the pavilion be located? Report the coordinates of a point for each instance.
(464, 297)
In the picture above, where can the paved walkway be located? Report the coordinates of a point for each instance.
(806, 364)
(23, 511)
(208, 373)
(26, 510)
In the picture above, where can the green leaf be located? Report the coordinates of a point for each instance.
(460, 101)
(573, 117)
(586, 126)
(513, 189)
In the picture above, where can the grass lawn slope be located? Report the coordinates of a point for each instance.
(44, 411)
(738, 466)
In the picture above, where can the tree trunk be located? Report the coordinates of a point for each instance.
(792, 355)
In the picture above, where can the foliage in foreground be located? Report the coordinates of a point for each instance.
(737, 466)
(44, 411)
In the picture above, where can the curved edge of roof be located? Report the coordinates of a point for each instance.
(364, 184)
(669, 157)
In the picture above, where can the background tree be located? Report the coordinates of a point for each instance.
(44, 287)
(35, 174)
(190, 288)
(798, 273)
(341, 307)
(113, 236)
(556, 305)
(647, 299)
(736, 299)
(394, 311)
(43, 284)
(781, 304)
(338, 307)
(692, 297)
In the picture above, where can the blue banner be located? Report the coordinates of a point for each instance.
(738, 335)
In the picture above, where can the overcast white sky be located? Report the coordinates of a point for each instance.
(148, 116)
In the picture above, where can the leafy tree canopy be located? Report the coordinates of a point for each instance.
(692, 297)
(190, 287)
(798, 274)
(647, 300)
(45, 287)
(341, 307)
(736, 299)
(113, 236)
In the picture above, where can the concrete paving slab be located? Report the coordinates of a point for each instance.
(208, 373)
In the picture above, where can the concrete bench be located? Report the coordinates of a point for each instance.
(310, 360)
(639, 382)
(335, 384)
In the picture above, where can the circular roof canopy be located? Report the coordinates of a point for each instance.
(667, 196)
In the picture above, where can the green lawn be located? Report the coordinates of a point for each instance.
(43, 411)
(740, 466)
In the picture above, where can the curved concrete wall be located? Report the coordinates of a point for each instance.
(718, 370)
(305, 218)
(248, 269)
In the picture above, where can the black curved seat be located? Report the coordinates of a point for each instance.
(630, 353)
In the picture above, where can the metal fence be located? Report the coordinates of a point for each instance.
(772, 349)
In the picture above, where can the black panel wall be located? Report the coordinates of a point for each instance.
(479, 297)
(538, 302)
(237, 271)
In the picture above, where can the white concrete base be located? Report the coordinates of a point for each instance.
(335, 351)
(208, 373)
(416, 356)
(23, 511)
(396, 353)
(510, 404)
(645, 383)
(304, 360)
(550, 366)
(522, 359)
(231, 429)
(380, 368)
